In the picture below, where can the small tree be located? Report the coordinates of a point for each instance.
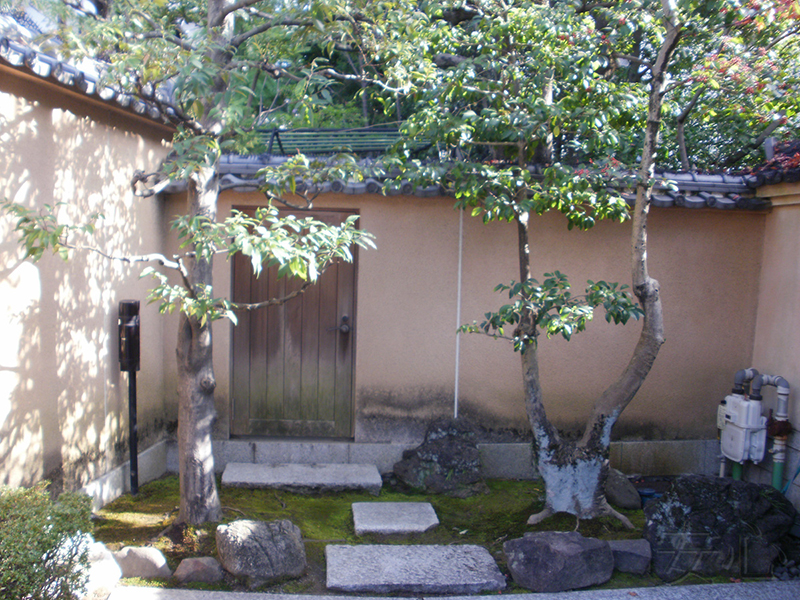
(218, 71)
(558, 107)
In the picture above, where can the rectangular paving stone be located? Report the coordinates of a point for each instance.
(418, 569)
(304, 479)
(393, 517)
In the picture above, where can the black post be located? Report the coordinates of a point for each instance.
(134, 434)
(129, 361)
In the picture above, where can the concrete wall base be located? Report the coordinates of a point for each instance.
(500, 461)
(115, 483)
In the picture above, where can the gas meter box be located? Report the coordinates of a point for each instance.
(129, 335)
(744, 430)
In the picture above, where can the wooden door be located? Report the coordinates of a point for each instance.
(292, 364)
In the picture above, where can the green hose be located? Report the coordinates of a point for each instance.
(736, 471)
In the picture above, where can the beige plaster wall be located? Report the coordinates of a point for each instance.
(407, 292)
(63, 401)
(776, 348)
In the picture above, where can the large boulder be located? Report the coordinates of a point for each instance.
(261, 552)
(712, 525)
(556, 561)
(447, 461)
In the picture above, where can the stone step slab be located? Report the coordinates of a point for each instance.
(418, 569)
(388, 518)
(304, 479)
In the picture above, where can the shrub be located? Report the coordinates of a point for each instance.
(43, 547)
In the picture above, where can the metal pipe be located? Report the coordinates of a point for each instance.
(780, 428)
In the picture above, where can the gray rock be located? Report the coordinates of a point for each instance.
(145, 562)
(712, 525)
(203, 570)
(621, 492)
(631, 556)
(447, 462)
(261, 552)
(103, 573)
(556, 561)
(417, 569)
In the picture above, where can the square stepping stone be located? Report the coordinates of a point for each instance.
(393, 517)
(417, 569)
(304, 479)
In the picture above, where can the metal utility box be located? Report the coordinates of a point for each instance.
(744, 429)
(129, 335)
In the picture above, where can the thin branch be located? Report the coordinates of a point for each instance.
(681, 122)
(231, 8)
(755, 143)
(333, 74)
(275, 301)
(783, 36)
(633, 59)
(155, 35)
(142, 177)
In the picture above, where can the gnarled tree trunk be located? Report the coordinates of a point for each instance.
(574, 473)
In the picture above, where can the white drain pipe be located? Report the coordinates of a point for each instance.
(458, 309)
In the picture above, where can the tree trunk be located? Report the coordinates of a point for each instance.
(574, 474)
(196, 412)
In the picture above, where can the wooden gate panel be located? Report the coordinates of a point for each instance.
(292, 366)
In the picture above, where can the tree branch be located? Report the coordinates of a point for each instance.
(275, 301)
(736, 157)
(619, 394)
(681, 122)
(232, 8)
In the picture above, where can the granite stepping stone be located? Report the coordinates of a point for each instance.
(304, 479)
(393, 517)
(384, 569)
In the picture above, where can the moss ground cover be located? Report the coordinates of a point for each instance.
(486, 519)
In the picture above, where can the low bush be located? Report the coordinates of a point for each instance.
(43, 544)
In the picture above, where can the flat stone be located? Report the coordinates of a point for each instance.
(393, 517)
(304, 479)
(631, 556)
(466, 569)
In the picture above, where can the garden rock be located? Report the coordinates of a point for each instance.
(103, 573)
(447, 462)
(261, 552)
(146, 563)
(556, 561)
(713, 525)
(621, 492)
(631, 556)
(200, 570)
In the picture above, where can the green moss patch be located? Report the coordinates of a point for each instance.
(486, 519)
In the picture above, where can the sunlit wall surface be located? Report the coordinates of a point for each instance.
(63, 401)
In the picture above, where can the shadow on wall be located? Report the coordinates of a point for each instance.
(63, 403)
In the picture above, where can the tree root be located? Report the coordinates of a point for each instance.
(540, 516)
(607, 511)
